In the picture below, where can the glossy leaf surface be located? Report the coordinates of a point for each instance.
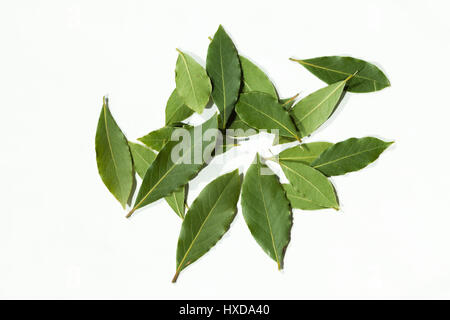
(193, 84)
(114, 161)
(309, 182)
(167, 174)
(262, 111)
(176, 110)
(224, 69)
(266, 211)
(350, 155)
(208, 219)
(332, 69)
(312, 111)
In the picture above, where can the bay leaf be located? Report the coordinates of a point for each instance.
(254, 79)
(143, 157)
(298, 201)
(311, 183)
(158, 138)
(193, 84)
(114, 161)
(262, 111)
(306, 153)
(224, 69)
(266, 211)
(332, 69)
(177, 201)
(282, 140)
(176, 110)
(208, 219)
(313, 110)
(165, 175)
(350, 155)
(240, 129)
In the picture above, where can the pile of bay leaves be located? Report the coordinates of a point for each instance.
(247, 103)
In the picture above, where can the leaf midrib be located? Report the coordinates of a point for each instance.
(321, 102)
(336, 71)
(267, 217)
(189, 75)
(110, 148)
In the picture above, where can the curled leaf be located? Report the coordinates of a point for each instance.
(113, 156)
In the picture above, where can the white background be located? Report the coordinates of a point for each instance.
(62, 235)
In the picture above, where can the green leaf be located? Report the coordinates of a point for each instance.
(350, 155)
(309, 182)
(113, 156)
(158, 138)
(266, 210)
(224, 69)
(254, 79)
(240, 128)
(334, 68)
(176, 110)
(312, 111)
(298, 201)
(208, 219)
(304, 153)
(262, 111)
(142, 158)
(193, 84)
(166, 174)
(176, 201)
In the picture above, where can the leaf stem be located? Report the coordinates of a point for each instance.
(175, 277)
(290, 100)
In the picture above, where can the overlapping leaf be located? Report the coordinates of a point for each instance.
(312, 111)
(266, 211)
(208, 219)
(176, 201)
(332, 69)
(262, 111)
(143, 157)
(254, 79)
(223, 67)
(176, 110)
(298, 200)
(306, 153)
(310, 183)
(350, 155)
(176, 164)
(193, 84)
(114, 161)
